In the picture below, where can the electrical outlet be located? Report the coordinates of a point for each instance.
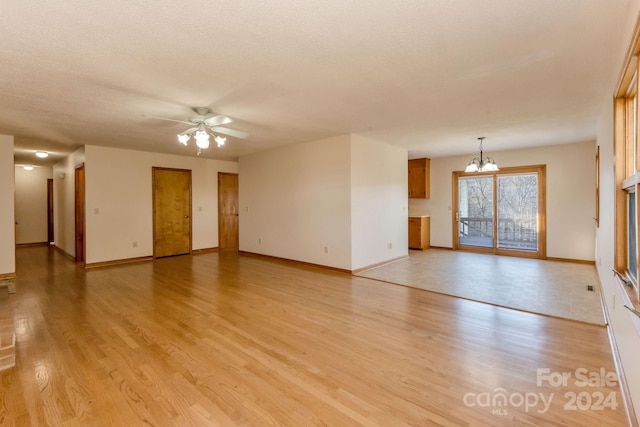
(389, 245)
(259, 240)
(326, 249)
(135, 244)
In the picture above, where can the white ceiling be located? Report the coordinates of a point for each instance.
(429, 75)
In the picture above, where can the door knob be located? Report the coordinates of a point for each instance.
(186, 216)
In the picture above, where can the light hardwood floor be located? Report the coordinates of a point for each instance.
(223, 339)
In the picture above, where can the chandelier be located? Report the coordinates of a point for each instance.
(486, 164)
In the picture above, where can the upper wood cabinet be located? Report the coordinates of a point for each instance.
(419, 185)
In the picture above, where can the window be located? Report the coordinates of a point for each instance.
(627, 176)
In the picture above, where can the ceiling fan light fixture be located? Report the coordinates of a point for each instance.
(219, 140)
(202, 139)
(204, 126)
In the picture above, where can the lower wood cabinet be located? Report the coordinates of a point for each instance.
(419, 235)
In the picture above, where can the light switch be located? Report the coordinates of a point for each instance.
(96, 211)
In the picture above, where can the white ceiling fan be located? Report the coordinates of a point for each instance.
(204, 124)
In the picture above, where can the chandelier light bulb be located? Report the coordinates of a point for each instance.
(183, 138)
(220, 140)
(202, 139)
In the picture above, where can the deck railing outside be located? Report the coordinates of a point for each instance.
(512, 234)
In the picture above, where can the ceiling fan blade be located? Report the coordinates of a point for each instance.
(167, 120)
(218, 120)
(189, 131)
(230, 132)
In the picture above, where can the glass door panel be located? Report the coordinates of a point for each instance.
(476, 211)
(518, 212)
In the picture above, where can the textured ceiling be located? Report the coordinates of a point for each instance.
(429, 75)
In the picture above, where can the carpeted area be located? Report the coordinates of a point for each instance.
(546, 287)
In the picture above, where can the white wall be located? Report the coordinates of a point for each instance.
(64, 201)
(119, 207)
(31, 204)
(347, 194)
(570, 208)
(624, 326)
(378, 202)
(7, 221)
(295, 201)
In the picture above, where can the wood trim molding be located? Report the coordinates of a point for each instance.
(619, 169)
(8, 276)
(631, 61)
(65, 253)
(117, 262)
(31, 245)
(379, 264)
(444, 248)
(310, 264)
(205, 250)
(573, 260)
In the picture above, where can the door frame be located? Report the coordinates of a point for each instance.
(153, 205)
(80, 214)
(540, 170)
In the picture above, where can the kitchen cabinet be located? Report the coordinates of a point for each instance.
(419, 232)
(419, 178)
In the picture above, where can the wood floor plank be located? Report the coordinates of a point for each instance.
(227, 339)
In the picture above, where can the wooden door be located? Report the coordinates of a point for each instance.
(171, 212)
(80, 214)
(49, 210)
(228, 220)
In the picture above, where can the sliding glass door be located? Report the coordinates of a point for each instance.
(501, 212)
(476, 211)
(518, 212)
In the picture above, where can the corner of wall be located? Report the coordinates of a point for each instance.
(7, 207)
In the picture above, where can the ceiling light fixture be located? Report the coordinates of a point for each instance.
(481, 164)
(201, 136)
(28, 168)
(205, 125)
(42, 154)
